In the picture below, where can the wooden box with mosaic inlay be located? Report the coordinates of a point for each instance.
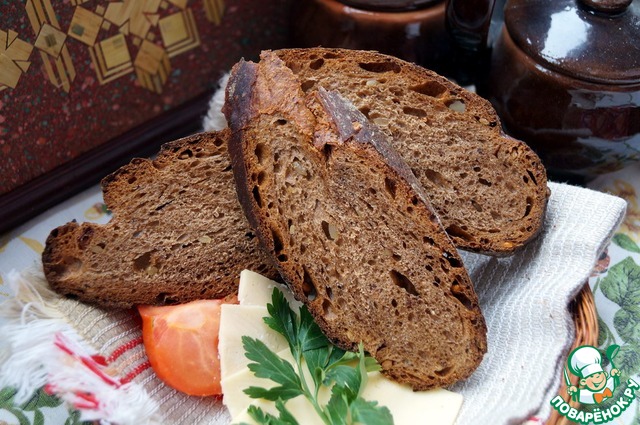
(85, 85)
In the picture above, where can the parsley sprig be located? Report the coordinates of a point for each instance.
(327, 365)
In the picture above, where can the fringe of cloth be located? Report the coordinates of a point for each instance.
(40, 349)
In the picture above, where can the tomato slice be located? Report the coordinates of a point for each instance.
(181, 342)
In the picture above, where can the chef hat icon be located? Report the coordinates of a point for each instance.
(585, 361)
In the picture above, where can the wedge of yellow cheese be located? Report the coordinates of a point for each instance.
(256, 289)
(437, 406)
(240, 320)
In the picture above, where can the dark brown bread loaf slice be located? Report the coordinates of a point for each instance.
(489, 190)
(351, 228)
(177, 233)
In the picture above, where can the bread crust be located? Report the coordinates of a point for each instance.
(177, 233)
(489, 190)
(424, 327)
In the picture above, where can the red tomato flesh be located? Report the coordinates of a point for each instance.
(181, 342)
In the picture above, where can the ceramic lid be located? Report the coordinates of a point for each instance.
(593, 40)
(390, 5)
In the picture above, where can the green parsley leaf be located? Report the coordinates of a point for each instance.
(272, 394)
(345, 373)
(285, 415)
(368, 412)
(269, 365)
(371, 364)
(348, 378)
(283, 320)
(316, 361)
(310, 335)
(338, 406)
(285, 418)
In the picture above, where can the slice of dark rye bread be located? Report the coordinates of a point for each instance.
(177, 233)
(350, 228)
(489, 190)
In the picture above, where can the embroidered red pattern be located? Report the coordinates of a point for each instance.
(97, 364)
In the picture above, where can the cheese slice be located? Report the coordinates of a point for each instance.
(299, 407)
(254, 292)
(233, 389)
(438, 406)
(238, 402)
(256, 289)
(240, 320)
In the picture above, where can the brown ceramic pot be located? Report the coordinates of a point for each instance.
(564, 77)
(409, 29)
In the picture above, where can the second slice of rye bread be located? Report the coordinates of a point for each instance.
(177, 233)
(350, 228)
(489, 190)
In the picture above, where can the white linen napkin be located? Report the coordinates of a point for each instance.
(524, 299)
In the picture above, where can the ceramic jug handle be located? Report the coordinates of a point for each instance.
(468, 22)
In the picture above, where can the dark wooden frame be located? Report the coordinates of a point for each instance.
(49, 189)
